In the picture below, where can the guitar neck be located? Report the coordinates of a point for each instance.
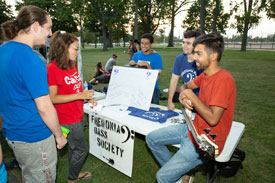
(203, 141)
(190, 124)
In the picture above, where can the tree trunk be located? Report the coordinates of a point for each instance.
(171, 34)
(105, 40)
(136, 21)
(95, 40)
(202, 16)
(244, 37)
(110, 40)
(215, 18)
(246, 23)
(124, 41)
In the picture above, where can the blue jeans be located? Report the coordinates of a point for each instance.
(185, 159)
(156, 95)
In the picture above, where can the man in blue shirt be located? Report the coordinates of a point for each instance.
(184, 66)
(30, 122)
(150, 59)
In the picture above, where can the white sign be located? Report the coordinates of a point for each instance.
(112, 142)
(132, 87)
(79, 60)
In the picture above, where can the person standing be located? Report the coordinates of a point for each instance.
(131, 49)
(136, 45)
(67, 94)
(150, 59)
(215, 107)
(184, 67)
(30, 122)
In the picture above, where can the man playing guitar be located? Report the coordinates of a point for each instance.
(214, 106)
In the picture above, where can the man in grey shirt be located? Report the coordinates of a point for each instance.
(110, 63)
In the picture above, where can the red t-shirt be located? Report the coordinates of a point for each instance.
(217, 90)
(68, 82)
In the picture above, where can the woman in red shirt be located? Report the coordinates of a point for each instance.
(67, 95)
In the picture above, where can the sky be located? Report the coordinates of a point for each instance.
(265, 27)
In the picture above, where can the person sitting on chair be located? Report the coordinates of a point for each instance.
(149, 59)
(215, 107)
(184, 68)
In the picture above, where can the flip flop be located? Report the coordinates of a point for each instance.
(86, 175)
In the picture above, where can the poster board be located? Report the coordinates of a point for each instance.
(112, 142)
(132, 87)
(79, 60)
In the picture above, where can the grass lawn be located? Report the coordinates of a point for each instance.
(254, 74)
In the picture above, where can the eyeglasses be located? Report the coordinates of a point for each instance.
(75, 48)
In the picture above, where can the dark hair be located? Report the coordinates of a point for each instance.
(136, 41)
(213, 43)
(25, 18)
(148, 36)
(99, 64)
(59, 46)
(191, 33)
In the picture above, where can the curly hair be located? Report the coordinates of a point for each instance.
(59, 46)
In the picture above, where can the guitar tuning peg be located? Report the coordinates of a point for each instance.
(207, 130)
(213, 137)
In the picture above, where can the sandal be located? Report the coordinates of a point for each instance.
(85, 175)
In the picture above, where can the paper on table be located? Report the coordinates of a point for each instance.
(131, 87)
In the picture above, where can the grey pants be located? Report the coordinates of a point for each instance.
(77, 148)
(37, 160)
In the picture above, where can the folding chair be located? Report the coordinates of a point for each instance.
(233, 138)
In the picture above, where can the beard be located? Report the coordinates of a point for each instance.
(203, 66)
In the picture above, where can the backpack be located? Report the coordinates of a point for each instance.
(230, 168)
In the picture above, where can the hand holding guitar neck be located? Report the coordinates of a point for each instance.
(202, 140)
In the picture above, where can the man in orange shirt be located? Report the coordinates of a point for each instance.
(215, 107)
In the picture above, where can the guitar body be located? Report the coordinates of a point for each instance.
(205, 144)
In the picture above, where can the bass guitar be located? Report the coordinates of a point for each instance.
(204, 143)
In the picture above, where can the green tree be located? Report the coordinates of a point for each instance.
(5, 12)
(107, 17)
(202, 16)
(174, 7)
(79, 8)
(269, 7)
(192, 20)
(150, 15)
(246, 17)
(60, 11)
(136, 20)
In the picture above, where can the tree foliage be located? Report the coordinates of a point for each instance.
(192, 20)
(151, 12)
(246, 16)
(61, 13)
(107, 17)
(269, 7)
(174, 7)
(5, 12)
